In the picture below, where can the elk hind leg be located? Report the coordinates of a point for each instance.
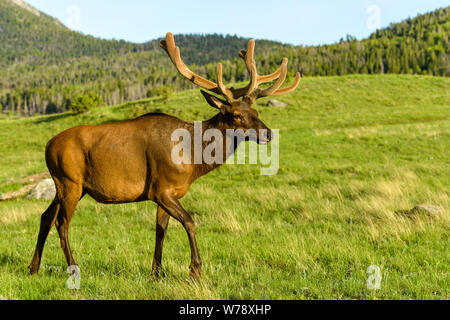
(71, 196)
(47, 221)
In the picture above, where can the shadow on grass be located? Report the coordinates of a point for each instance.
(137, 114)
(20, 265)
(54, 117)
(111, 121)
(11, 260)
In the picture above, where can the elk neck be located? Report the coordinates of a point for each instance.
(217, 122)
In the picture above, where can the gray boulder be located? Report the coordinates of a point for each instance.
(276, 103)
(427, 208)
(44, 190)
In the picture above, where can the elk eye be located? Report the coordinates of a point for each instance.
(237, 116)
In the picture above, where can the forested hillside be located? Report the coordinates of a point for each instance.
(34, 37)
(44, 65)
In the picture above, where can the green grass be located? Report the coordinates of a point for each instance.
(355, 152)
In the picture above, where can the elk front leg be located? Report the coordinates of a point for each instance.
(162, 221)
(173, 207)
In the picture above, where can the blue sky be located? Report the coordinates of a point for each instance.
(290, 21)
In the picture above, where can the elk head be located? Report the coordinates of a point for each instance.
(236, 107)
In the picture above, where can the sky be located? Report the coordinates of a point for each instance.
(297, 22)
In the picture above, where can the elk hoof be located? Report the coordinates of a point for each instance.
(196, 272)
(194, 277)
(159, 273)
(33, 270)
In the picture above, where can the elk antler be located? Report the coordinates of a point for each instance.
(174, 53)
(231, 94)
(280, 74)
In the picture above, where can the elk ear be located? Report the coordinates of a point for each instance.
(215, 102)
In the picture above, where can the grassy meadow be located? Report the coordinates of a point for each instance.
(356, 152)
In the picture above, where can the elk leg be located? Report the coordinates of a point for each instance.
(162, 221)
(72, 196)
(47, 221)
(173, 207)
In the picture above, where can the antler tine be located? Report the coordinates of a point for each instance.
(269, 91)
(174, 53)
(250, 63)
(292, 87)
(223, 90)
(275, 90)
(256, 80)
(270, 77)
(240, 92)
(248, 57)
(253, 78)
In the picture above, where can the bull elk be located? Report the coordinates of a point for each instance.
(130, 161)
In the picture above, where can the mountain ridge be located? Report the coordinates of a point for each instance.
(26, 6)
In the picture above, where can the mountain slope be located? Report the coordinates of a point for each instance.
(44, 65)
(27, 34)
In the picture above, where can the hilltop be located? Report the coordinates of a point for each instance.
(26, 6)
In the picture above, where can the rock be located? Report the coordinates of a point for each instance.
(44, 190)
(427, 208)
(276, 103)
